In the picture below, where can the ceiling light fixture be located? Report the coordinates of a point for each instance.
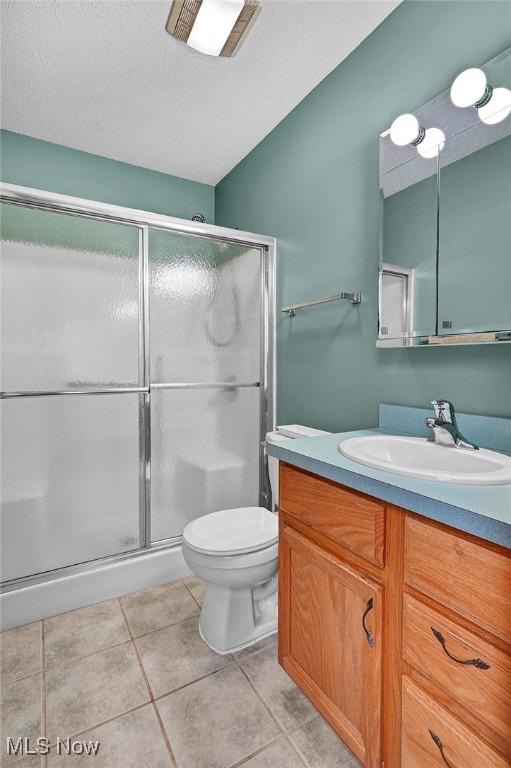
(471, 89)
(213, 27)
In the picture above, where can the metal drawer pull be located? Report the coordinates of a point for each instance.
(369, 607)
(479, 663)
(438, 742)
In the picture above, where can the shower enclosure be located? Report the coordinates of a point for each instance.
(137, 380)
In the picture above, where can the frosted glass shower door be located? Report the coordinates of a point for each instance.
(205, 342)
(70, 310)
(69, 481)
(70, 323)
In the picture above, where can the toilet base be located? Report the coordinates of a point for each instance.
(233, 619)
(241, 647)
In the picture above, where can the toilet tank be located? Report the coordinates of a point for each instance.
(285, 432)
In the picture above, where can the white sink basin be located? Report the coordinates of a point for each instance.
(417, 457)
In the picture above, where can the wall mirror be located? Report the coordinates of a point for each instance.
(445, 229)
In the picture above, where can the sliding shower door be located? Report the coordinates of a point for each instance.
(205, 372)
(70, 324)
(135, 367)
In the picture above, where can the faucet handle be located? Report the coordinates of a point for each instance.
(444, 411)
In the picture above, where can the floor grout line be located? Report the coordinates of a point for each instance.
(131, 638)
(191, 593)
(192, 682)
(91, 728)
(285, 734)
(70, 662)
(259, 696)
(135, 649)
(244, 760)
(164, 734)
(25, 677)
(295, 749)
(44, 760)
(146, 680)
(166, 626)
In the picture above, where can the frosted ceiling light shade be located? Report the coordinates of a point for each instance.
(213, 27)
(433, 143)
(468, 88)
(405, 130)
(498, 107)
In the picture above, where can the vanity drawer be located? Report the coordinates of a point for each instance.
(473, 579)
(430, 641)
(433, 738)
(347, 517)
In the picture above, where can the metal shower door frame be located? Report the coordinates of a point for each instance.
(145, 221)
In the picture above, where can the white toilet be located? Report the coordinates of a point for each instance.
(235, 551)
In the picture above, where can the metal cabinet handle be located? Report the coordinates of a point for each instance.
(438, 742)
(369, 607)
(479, 663)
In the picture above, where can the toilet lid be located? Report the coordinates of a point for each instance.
(232, 531)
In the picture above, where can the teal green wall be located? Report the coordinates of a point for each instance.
(43, 165)
(313, 183)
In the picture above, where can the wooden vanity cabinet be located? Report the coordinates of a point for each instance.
(331, 640)
(397, 628)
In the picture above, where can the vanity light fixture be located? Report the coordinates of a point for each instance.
(406, 130)
(471, 89)
(432, 144)
(213, 27)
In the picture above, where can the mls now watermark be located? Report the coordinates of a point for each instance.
(42, 746)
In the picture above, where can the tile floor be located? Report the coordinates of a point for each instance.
(135, 674)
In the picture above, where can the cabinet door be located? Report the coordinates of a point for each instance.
(330, 622)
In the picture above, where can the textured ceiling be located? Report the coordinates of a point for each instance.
(106, 78)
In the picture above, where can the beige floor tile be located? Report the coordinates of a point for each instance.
(278, 755)
(86, 692)
(157, 607)
(197, 587)
(131, 741)
(284, 698)
(216, 722)
(176, 655)
(29, 762)
(322, 748)
(87, 630)
(21, 710)
(20, 652)
(256, 647)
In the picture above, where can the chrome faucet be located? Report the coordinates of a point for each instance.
(445, 429)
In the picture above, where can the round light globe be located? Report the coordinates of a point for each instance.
(432, 144)
(498, 108)
(468, 87)
(404, 130)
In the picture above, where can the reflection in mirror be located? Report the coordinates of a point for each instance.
(474, 272)
(408, 272)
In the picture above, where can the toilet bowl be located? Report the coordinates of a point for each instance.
(235, 551)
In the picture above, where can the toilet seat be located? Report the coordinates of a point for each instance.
(232, 531)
